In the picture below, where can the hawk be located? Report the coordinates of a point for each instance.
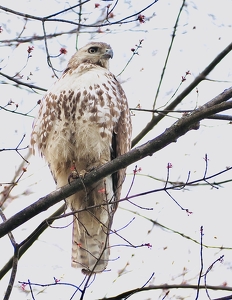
(83, 123)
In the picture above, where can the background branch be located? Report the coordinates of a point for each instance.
(156, 119)
(26, 244)
(169, 136)
(168, 287)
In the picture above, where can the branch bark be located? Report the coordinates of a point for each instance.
(26, 244)
(181, 127)
(21, 83)
(169, 287)
(155, 119)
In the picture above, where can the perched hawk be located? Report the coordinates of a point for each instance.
(83, 123)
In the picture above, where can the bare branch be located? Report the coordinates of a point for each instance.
(220, 259)
(47, 51)
(48, 18)
(170, 135)
(155, 119)
(14, 261)
(167, 287)
(17, 176)
(155, 223)
(26, 244)
(13, 273)
(169, 52)
(19, 82)
(22, 40)
(134, 292)
(202, 263)
(135, 52)
(165, 111)
(67, 9)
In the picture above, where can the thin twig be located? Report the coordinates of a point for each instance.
(28, 242)
(13, 273)
(170, 135)
(169, 52)
(134, 292)
(156, 119)
(208, 270)
(165, 111)
(169, 286)
(14, 261)
(49, 19)
(19, 82)
(47, 51)
(202, 262)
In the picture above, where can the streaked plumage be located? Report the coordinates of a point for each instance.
(84, 122)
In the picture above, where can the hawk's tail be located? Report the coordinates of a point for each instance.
(90, 243)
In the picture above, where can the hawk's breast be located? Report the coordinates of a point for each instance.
(80, 114)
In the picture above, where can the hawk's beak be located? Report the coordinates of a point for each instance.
(108, 54)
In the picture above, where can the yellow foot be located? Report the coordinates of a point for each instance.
(75, 174)
(82, 173)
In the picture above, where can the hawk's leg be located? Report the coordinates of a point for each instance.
(74, 174)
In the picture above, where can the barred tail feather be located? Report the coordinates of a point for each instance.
(90, 244)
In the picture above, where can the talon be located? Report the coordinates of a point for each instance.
(74, 174)
(82, 173)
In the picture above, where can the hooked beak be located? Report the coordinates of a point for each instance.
(108, 54)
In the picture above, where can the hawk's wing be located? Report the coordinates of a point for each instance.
(121, 144)
(84, 122)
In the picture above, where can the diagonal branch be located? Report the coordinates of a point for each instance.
(169, 52)
(170, 286)
(155, 119)
(19, 82)
(170, 135)
(26, 244)
(127, 19)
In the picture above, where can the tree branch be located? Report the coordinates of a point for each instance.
(170, 135)
(167, 287)
(26, 244)
(155, 119)
(19, 82)
(169, 52)
(48, 18)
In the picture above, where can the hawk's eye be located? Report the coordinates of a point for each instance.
(92, 50)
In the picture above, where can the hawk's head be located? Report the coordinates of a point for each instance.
(95, 53)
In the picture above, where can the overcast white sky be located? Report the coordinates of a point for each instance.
(204, 31)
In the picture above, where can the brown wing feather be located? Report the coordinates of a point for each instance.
(84, 119)
(121, 143)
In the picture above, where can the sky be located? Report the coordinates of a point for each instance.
(204, 30)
